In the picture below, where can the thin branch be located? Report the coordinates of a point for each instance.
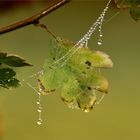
(33, 19)
(46, 28)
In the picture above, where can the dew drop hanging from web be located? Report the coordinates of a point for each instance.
(38, 102)
(39, 109)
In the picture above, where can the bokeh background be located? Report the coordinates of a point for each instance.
(116, 118)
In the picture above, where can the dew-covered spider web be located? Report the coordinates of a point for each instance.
(73, 70)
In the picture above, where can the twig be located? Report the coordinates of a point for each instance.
(33, 19)
(46, 28)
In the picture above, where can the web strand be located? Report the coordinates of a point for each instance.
(38, 102)
(83, 42)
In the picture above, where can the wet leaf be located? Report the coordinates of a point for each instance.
(91, 59)
(75, 76)
(96, 81)
(69, 91)
(86, 100)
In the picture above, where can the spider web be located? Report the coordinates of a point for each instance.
(83, 42)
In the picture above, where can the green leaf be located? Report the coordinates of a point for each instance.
(95, 81)
(100, 83)
(135, 13)
(74, 74)
(49, 81)
(86, 100)
(13, 60)
(91, 59)
(7, 78)
(126, 3)
(13, 83)
(133, 5)
(7, 75)
(52, 78)
(69, 91)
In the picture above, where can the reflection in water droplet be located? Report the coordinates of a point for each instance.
(99, 43)
(101, 35)
(39, 122)
(39, 110)
(37, 103)
(98, 23)
(86, 110)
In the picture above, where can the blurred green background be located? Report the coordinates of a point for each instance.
(116, 118)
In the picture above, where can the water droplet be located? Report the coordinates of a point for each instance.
(40, 107)
(101, 35)
(39, 122)
(40, 89)
(40, 72)
(86, 110)
(97, 20)
(38, 103)
(39, 110)
(99, 43)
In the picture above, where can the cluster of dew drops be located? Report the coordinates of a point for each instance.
(98, 24)
(39, 93)
(39, 105)
(39, 109)
(82, 42)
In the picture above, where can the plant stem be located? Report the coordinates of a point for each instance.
(33, 19)
(46, 28)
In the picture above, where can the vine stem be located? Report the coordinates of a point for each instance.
(33, 19)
